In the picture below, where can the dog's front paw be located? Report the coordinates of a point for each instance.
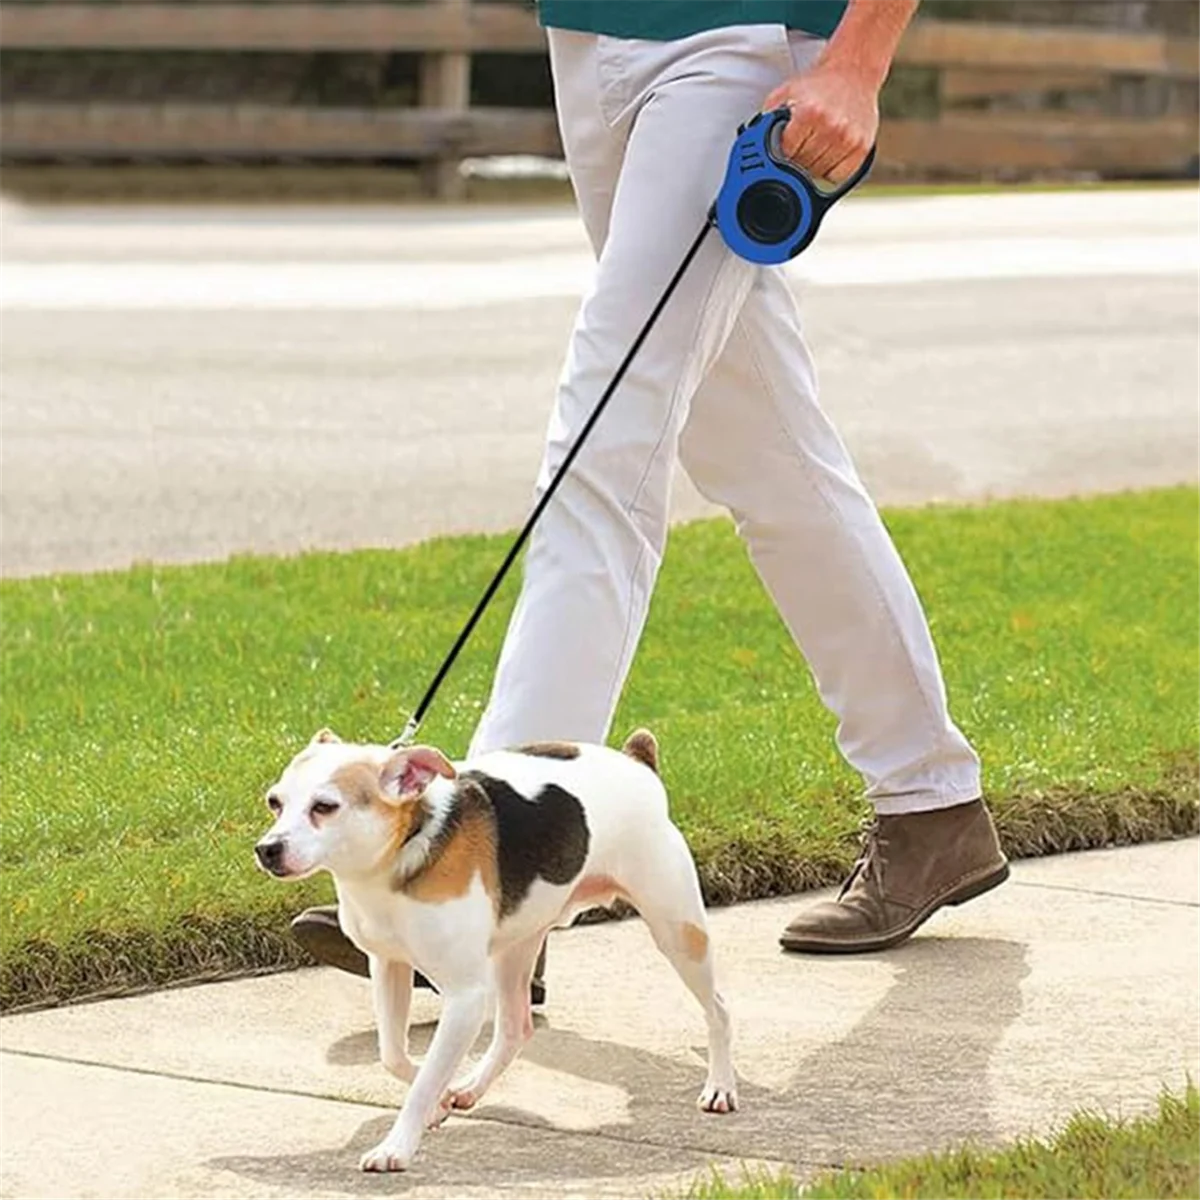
(439, 1114)
(715, 1099)
(387, 1156)
(462, 1098)
(455, 1099)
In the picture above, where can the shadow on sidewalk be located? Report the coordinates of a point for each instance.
(361, 1049)
(911, 1076)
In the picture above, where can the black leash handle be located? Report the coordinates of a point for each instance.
(414, 722)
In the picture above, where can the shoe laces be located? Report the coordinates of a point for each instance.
(870, 860)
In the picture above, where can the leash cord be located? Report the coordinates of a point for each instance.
(414, 722)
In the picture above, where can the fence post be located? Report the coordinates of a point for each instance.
(446, 85)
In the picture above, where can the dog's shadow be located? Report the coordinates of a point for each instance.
(917, 1061)
(361, 1049)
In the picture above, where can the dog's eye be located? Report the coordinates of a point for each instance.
(275, 804)
(323, 808)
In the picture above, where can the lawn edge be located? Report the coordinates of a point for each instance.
(772, 864)
(1103, 1134)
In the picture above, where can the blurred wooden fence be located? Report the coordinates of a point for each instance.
(976, 64)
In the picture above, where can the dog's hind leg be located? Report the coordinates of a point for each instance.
(514, 1022)
(663, 887)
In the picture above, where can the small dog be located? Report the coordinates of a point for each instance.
(462, 871)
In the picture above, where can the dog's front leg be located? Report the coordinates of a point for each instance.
(391, 991)
(463, 1011)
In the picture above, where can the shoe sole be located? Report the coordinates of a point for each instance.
(967, 890)
(330, 948)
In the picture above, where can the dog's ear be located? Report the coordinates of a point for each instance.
(324, 735)
(410, 771)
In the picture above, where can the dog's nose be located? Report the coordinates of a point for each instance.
(270, 854)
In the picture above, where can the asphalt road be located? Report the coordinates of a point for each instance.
(183, 384)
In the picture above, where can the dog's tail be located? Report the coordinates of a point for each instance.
(642, 746)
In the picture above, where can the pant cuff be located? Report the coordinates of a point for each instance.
(895, 806)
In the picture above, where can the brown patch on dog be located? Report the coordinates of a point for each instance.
(359, 783)
(563, 750)
(470, 850)
(325, 735)
(405, 818)
(508, 839)
(642, 746)
(695, 941)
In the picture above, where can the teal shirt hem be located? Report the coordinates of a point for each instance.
(665, 20)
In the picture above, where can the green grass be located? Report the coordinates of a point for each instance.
(145, 712)
(1091, 1157)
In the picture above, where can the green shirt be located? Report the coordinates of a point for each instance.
(664, 20)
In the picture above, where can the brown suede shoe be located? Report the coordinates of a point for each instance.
(911, 865)
(318, 931)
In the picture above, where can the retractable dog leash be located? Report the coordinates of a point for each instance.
(767, 211)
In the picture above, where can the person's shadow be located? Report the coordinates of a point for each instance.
(911, 1076)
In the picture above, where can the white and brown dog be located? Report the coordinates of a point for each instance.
(461, 871)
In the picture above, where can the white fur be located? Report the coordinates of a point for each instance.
(462, 947)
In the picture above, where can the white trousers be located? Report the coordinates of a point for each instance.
(725, 385)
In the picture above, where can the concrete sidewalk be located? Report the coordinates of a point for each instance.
(1074, 985)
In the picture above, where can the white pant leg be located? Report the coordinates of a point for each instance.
(671, 110)
(757, 442)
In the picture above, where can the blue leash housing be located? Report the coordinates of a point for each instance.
(768, 210)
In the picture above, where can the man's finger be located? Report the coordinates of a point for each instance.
(821, 148)
(796, 140)
(805, 133)
(779, 98)
(840, 171)
(824, 164)
(812, 153)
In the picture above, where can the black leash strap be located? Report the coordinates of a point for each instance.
(414, 722)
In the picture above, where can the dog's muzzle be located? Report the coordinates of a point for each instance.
(270, 855)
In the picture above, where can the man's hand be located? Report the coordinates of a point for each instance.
(835, 105)
(835, 116)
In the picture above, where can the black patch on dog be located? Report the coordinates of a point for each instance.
(564, 750)
(545, 837)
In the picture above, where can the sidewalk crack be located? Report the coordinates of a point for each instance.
(1088, 891)
(602, 1134)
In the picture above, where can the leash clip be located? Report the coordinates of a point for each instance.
(769, 209)
(406, 737)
